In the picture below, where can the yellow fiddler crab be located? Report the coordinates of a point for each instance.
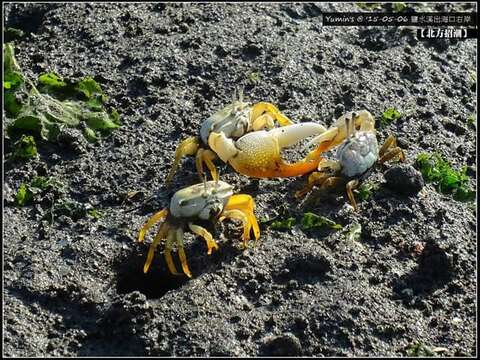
(237, 135)
(212, 200)
(357, 154)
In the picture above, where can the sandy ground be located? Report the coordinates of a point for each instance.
(76, 287)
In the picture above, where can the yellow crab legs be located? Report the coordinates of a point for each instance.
(212, 200)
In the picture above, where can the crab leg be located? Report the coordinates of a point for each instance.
(390, 150)
(326, 183)
(332, 182)
(188, 146)
(351, 185)
(181, 252)
(396, 151)
(168, 252)
(161, 234)
(315, 178)
(259, 119)
(150, 222)
(200, 231)
(206, 156)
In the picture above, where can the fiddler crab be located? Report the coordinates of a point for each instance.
(210, 200)
(357, 154)
(244, 136)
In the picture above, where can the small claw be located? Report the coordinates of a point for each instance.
(325, 138)
(222, 146)
(272, 111)
(211, 244)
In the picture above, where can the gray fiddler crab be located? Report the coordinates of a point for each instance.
(357, 154)
(212, 200)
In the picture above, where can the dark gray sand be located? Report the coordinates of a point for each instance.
(77, 288)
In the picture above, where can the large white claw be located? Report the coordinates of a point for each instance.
(291, 134)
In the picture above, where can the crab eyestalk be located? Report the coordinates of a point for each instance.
(348, 127)
(353, 119)
(205, 191)
(216, 181)
(234, 97)
(240, 94)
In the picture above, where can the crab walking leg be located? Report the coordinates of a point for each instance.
(188, 146)
(327, 183)
(332, 182)
(351, 185)
(161, 234)
(200, 231)
(396, 151)
(390, 141)
(258, 154)
(167, 252)
(150, 222)
(181, 252)
(237, 214)
(263, 107)
(245, 204)
(390, 150)
(315, 178)
(206, 156)
(199, 163)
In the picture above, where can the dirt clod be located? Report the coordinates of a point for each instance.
(283, 345)
(404, 179)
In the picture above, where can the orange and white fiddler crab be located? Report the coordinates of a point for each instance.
(212, 200)
(357, 154)
(244, 136)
